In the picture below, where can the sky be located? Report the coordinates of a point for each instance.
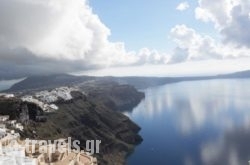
(146, 23)
(115, 37)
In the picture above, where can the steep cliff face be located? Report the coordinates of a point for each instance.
(82, 119)
(18, 110)
(10, 107)
(94, 115)
(114, 96)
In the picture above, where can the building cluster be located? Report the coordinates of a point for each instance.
(64, 158)
(44, 106)
(5, 120)
(55, 94)
(6, 95)
(46, 99)
(14, 151)
(11, 151)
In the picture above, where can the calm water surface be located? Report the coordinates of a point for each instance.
(194, 123)
(6, 84)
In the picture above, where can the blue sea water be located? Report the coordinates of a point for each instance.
(194, 123)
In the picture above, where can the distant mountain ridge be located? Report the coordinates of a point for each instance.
(48, 82)
(242, 74)
(56, 80)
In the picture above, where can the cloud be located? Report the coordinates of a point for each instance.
(20, 62)
(183, 6)
(59, 35)
(50, 36)
(231, 19)
(147, 56)
(58, 29)
(194, 46)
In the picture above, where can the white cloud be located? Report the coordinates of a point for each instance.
(147, 56)
(60, 34)
(183, 6)
(58, 29)
(217, 12)
(64, 36)
(231, 19)
(193, 46)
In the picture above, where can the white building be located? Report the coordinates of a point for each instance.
(12, 153)
(53, 106)
(19, 126)
(5, 95)
(54, 95)
(4, 118)
(12, 122)
(15, 156)
(44, 106)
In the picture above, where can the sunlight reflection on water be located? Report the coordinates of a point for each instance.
(206, 123)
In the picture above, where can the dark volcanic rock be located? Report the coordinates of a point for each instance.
(83, 119)
(94, 116)
(18, 110)
(114, 96)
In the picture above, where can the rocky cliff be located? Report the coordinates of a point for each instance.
(19, 110)
(91, 116)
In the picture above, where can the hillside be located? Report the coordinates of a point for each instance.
(85, 117)
(47, 82)
(56, 80)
